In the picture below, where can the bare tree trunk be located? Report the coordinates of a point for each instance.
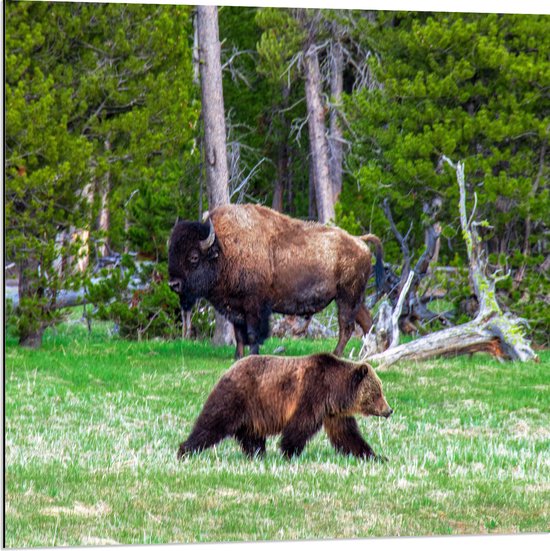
(436, 227)
(312, 206)
(282, 155)
(413, 308)
(526, 246)
(336, 136)
(317, 138)
(215, 149)
(31, 335)
(84, 255)
(217, 176)
(104, 222)
(463, 339)
(282, 170)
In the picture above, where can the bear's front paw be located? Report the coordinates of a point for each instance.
(182, 452)
(379, 458)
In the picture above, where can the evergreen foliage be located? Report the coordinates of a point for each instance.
(137, 298)
(472, 87)
(46, 167)
(103, 112)
(97, 97)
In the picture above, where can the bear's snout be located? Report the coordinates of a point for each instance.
(382, 408)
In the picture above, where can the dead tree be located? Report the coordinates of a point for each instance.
(317, 138)
(104, 221)
(217, 176)
(336, 150)
(492, 331)
(414, 308)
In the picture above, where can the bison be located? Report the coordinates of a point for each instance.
(249, 261)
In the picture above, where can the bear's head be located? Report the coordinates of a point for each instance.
(369, 399)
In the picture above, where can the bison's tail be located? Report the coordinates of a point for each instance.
(379, 266)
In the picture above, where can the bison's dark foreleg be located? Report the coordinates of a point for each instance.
(257, 325)
(240, 338)
(346, 324)
(344, 435)
(251, 444)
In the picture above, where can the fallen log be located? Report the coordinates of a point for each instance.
(66, 298)
(467, 338)
(491, 331)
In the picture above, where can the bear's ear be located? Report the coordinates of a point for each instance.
(359, 373)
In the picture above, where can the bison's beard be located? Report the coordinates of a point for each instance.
(198, 285)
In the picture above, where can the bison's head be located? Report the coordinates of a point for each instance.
(192, 261)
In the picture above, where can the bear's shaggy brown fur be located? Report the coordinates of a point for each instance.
(266, 395)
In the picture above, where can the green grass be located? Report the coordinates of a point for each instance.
(93, 424)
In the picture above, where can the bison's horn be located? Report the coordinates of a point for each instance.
(205, 244)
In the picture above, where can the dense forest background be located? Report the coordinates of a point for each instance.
(104, 145)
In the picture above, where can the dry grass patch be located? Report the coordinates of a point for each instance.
(79, 510)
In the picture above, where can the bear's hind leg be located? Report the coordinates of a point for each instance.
(344, 435)
(251, 444)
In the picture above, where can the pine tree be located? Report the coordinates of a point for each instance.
(470, 86)
(99, 100)
(47, 168)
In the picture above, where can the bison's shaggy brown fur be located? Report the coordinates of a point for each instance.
(266, 395)
(249, 261)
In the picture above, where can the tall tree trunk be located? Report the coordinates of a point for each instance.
(290, 182)
(215, 149)
(526, 249)
(30, 335)
(318, 142)
(312, 205)
(217, 176)
(282, 170)
(282, 154)
(84, 254)
(336, 136)
(104, 222)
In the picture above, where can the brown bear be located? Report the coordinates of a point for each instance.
(265, 395)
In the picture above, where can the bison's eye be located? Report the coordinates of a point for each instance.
(194, 257)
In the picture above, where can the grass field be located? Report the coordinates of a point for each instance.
(92, 425)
